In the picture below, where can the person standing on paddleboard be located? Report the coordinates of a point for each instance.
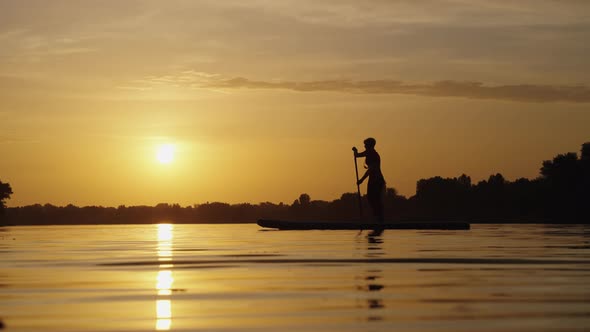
(376, 186)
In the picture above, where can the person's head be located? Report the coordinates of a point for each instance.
(370, 143)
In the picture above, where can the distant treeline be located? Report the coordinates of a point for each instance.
(561, 194)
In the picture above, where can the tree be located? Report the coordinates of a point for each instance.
(443, 197)
(566, 179)
(5, 192)
(561, 168)
(304, 199)
(585, 151)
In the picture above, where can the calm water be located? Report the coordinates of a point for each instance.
(239, 277)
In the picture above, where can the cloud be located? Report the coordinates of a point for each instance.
(488, 41)
(472, 90)
(535, 93)
(353, 13)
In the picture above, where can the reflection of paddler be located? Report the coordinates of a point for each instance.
(376, 186)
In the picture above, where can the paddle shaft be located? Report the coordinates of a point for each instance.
(358, 187)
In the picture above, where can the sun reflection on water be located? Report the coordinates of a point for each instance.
(164, 282)
(164, 314)
(164, 279)
(165, 242)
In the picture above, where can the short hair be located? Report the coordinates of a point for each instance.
(370, 142)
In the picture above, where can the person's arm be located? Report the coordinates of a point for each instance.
(364, 177)
(358, 154)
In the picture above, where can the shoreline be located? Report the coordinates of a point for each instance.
(473, 222)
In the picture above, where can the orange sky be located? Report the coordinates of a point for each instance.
(263, 100)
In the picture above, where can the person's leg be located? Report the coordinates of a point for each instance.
(379, 211)
(374, 195)
(382, 203)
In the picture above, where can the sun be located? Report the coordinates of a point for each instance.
(165, 153)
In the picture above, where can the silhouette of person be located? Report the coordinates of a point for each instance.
(376, 186)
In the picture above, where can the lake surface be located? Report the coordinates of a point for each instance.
(240, 277)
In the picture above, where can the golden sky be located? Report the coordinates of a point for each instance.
(262, 100)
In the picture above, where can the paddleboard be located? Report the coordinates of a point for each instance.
(341, 225)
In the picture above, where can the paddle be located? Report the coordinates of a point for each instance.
(358, 186)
